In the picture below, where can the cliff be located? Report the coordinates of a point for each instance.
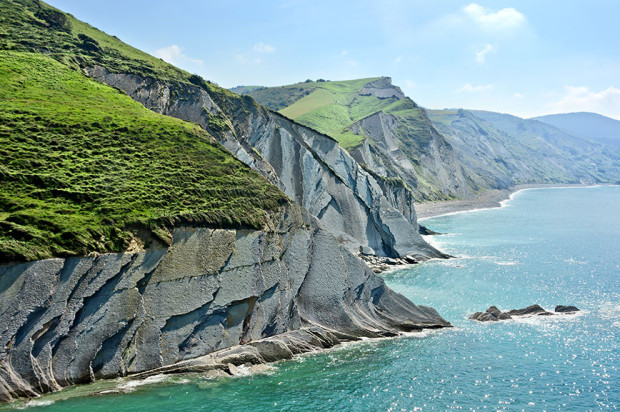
(385, 131)
(517, 151)
(308, 166)
(74, 320)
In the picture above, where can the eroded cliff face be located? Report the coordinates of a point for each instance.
(308, 166)
(67, 321)
(408, 147)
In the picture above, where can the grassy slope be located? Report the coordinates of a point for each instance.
(83, 167)
(329, 107)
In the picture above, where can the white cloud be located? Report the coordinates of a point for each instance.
(264, 48)
(344, 53)
(410, 84)
(467, 87)
(174, 55)
(582, 99)
(503, 19)
(482, 54)
(518, 95)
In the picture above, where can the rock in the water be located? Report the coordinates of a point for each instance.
(214, 374)
(566, 309)
(232, 369)
(492, 314)
(530, 310)
(426, 231)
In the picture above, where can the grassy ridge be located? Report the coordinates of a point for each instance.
(330, 107)
(84, 168)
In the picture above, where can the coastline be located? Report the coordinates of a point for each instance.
(486, 200)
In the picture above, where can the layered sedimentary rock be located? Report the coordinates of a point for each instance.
(408, 147)
(67, 321)
(308, 166)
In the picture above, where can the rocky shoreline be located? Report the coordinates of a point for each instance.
(258, 296)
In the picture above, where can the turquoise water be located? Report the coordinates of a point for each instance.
(552, 246)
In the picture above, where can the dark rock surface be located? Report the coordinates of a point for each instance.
(566, 309)
(427, 232)
(74, 320)
(530, 310)
(494, 314)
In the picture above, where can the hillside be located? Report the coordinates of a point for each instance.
(519, 151)
(384, 222)
(85, 169)
(330, 107)
(583, 159)
(589, 125)
(382, 129)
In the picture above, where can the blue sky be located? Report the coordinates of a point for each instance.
(522, 57)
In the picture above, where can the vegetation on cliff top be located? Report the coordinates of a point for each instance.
(330, 107)
(84, 168)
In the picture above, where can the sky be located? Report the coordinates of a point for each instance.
(523, 57)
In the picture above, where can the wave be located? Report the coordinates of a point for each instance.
(130, 386)
(549, 320)
(35, 403)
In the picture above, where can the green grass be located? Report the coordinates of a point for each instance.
(28, 25)
(84, 168)
(315, 100)
(330, 107)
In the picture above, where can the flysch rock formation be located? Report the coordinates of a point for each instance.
(275, 292)
(308, 166)
(395, 148)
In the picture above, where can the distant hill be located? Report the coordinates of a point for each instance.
(590, 125)
(522, 151)
(245, 89)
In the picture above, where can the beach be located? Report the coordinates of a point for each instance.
(485, 200)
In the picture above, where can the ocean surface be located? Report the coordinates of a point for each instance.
(550, 246)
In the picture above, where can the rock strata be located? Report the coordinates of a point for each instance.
(493, 314)
(380, 264)
(249, 296)
(308, 166)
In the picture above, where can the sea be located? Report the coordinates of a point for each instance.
(547, 246)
